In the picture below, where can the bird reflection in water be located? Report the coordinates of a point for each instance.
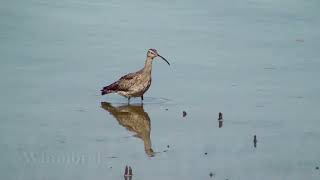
(134, 119)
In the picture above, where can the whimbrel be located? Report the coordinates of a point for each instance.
(137, 83)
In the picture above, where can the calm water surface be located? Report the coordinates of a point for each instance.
(258, 62)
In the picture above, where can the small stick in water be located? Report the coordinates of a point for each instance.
(126, 171)
(130, 171)
(184, 113)
(255, 141)
(211, 175)
(220, 119)
(220, 116)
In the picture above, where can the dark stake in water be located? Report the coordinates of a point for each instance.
(255, 141)
(211, 174)
(220, 116)
(128, 173)
(184, 113)
(134, 119)
(220, 119)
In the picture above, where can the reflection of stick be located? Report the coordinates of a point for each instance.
(127, 177)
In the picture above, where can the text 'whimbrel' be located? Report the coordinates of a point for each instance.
(137, 83)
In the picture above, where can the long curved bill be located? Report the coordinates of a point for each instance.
(164, 59)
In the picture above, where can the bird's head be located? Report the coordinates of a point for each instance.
(152, 53)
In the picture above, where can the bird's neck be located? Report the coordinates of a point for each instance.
(148, 65)
(147, 144)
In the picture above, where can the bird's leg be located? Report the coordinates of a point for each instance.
(142, 100)
(128, 100)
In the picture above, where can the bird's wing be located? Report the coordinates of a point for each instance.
(128, 76)
(125, 82)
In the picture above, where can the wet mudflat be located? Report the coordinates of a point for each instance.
(257, 62)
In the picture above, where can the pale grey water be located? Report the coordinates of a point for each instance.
(256, 61)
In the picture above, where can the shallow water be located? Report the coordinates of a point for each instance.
(255, 61)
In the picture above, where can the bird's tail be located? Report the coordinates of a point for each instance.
(109, 89)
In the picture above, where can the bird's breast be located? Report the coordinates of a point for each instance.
(141, 86)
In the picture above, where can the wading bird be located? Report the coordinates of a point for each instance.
(137, 83)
